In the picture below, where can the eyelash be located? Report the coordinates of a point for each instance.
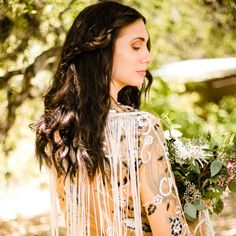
(136, 48)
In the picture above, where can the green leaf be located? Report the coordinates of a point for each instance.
(176, 126)
(201, 206)
(219, 206)
(215, 198)
(215, 167)
(231, 139)
(232, 185)
(208, 194)
(196, 167)
(220, 189)
(190, 212)
(213, 143)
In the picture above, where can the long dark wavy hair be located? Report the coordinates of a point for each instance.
(70, 132)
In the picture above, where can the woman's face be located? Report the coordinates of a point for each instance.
(131, 56)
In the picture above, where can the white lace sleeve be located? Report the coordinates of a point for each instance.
(159, 194)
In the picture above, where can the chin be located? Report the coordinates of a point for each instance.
(140, 83)
(136, 83)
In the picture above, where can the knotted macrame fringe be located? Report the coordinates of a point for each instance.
(53, 201)
(204, 222)
(117, 127)
(84, 197)
(97, 208)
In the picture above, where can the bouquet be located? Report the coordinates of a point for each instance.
(204, 172)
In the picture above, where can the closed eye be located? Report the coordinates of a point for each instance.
(136, 48)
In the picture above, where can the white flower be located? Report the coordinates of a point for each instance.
(186, 151)
(173, 133)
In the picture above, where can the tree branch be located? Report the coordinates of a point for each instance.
(20, 48)
(36, 66)
(66, 9)
(16, 99)
(4, 79)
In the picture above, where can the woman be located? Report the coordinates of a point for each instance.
(108, 159)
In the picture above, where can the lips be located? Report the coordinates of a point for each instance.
(142, 72)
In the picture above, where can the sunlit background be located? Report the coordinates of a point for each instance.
(196, 96)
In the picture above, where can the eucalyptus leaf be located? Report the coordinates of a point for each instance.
(190, 211)
(201, 206)
(215, 167)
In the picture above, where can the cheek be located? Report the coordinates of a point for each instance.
(120, 65)
(124, 66)
(120, 73)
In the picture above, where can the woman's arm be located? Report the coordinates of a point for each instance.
(159, 195)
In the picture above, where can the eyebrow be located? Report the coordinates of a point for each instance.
(140, 38)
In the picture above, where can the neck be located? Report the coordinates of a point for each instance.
(113, 93)
(114, 89)
(116, 105)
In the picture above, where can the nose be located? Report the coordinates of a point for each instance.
(147, 57)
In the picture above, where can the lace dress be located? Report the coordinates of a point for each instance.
(139, 197)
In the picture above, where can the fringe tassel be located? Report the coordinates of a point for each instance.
(53, 199)
(209, 226)
(84, 198)
(129, 127)
(116, 127)
(101, 209)
(205, 221)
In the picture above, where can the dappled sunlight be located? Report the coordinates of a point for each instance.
(25, 210)
(29, 50)
(24, 200)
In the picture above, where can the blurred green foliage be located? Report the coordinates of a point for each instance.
(184, 110)
(31, 33)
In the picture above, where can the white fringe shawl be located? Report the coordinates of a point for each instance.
(83, 197)
(79, 194)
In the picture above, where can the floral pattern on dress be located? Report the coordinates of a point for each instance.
(150, 155)
(176, 226)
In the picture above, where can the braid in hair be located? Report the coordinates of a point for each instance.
(70, 132)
